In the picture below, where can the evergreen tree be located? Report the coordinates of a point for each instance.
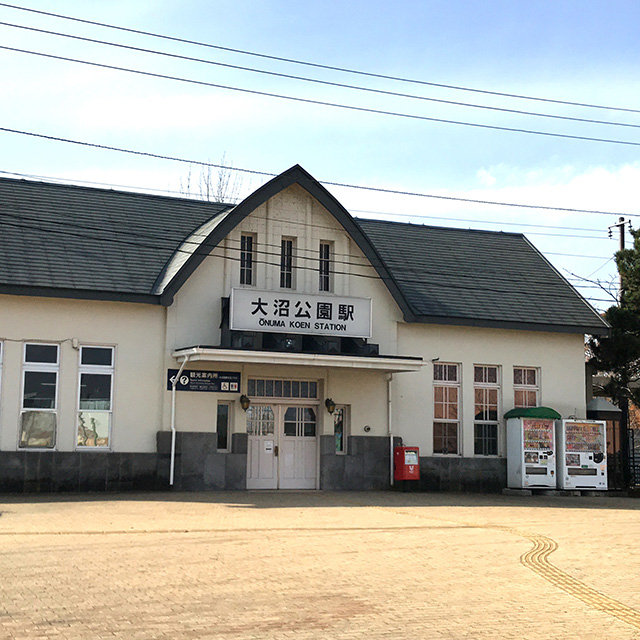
(618, 355)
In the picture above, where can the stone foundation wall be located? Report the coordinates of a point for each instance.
(365, 466)
(77, 471)
(453, 473)
(198, 464)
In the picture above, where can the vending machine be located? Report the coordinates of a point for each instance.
(531, 453)
(582, 459)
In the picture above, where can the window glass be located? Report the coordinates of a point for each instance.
(93, 429)
(222, 426)
(340, 429)
(525, 387)
(94, 410)
(486, 397)
(95, 391)
(246, 259)
(446, 411)
(324, 267)
(38, 429)
(41, 353)
(98, 356)
(286, 264)
(39, 390)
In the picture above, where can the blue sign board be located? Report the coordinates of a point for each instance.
(213, 381)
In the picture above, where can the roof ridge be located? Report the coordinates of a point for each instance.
(441, 227)
(111, 190)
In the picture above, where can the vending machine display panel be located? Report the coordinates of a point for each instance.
(582, 462)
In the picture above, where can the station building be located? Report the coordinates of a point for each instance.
(155, 342)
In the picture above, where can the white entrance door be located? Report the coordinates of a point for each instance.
(262, 470)
(282, 447)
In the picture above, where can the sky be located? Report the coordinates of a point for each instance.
(578, 51)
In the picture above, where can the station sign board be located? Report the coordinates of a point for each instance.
(284, 312)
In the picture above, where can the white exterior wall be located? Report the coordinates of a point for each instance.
(195, 315)
(136, 330)
(558, 356)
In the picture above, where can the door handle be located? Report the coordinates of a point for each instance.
(275, 451)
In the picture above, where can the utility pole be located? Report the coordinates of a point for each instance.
(623, 400)
(620, 226)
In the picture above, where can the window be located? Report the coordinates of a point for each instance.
(341, 428)
(38, 416)
(526, 390)
(324, 267)
(446, 410)
(95, 397)
(247, 259)
(486, 392)
(282, 388)
(286, 264)
(222, 426)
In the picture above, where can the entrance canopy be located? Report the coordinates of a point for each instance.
(388, 364)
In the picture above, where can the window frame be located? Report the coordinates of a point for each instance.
(248, 271)
(95, 369)
(325, 255)
(39, 367)
(526, 388)
(228, 405)
(447, 385)
(484, 385)
(287, 262)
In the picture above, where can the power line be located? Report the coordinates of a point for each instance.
(321, 82)
(511, 224)
(318, 65)
(388, 214)
(322, 103)
(82, 234)
(324, 182)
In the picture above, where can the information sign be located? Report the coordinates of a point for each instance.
(212, 381)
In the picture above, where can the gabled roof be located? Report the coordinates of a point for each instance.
(70, 241)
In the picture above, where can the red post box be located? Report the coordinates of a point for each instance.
(406, 463)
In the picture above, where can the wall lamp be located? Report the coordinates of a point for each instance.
(245, 401)
(330, 404)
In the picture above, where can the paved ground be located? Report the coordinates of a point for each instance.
(308, 565)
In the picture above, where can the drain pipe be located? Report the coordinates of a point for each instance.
(174, 383)
(390, 426)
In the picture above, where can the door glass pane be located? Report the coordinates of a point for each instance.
(260, 421)
(309, 417)
(291, 421)
(39, 390)
(38, 429)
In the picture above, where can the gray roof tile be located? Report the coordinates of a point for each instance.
(65, 239)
